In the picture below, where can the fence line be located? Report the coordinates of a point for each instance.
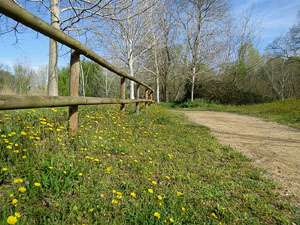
(21, 15)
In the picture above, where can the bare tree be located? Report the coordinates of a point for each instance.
(200, 20)
(124, 35)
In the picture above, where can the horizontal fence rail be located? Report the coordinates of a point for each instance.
(21, 15)
(8, 102)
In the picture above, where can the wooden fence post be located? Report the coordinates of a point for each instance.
(73, 87)
(151, 95)
(137, 106)
(123, 94)
(146, 97)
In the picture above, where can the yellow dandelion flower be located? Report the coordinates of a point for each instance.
(65, 172)
(159, 197)
(23, 133)
(91, 210)
(214, 215)
(11, 220)
(119, 196)
(4, 169)
(80, 174)
(14, 201)
(183, 209)
(50, 167)
(24, 157)
(11, 195)
(17, 214)
(150, 191)
(22, 189)
(179, 194)
(133, 194)
(102, 195)
(156, 214)
(18, 181)
(8, 147)
(172, 220)
(168, 177)
(114, 201)
(154, 182)
(37, 184)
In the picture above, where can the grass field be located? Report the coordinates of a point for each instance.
(155, 168)
(284, 111)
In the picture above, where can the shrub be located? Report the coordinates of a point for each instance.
(224, 93)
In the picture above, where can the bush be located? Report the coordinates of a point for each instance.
(224, 93)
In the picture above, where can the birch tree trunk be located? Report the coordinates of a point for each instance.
(131, 72)
(193, 83)
(53, 51)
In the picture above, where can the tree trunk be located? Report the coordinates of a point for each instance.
(53, 51)
(131, 72)
(157, 89)
(193, 83)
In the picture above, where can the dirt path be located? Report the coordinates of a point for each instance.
(272, 146)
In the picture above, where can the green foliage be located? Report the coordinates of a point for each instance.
(7, 80)
(223, 93)
(104, 174)
(63, 81)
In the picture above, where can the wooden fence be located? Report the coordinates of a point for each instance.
(20, 15)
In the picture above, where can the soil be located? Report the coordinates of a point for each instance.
(270, 145)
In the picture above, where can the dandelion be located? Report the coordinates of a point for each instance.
(24, 157)
(18, 181)
(171, 220)
(4, 169)
(11, 195)
(11, 220)
(183, 209)
(102, 195)
(214, 215)
(133, 194)
(8, 147)
(179, 194)
(91, 210)
(154, 182)
(22, 189)
(156, 214)
(168, 177)
(119, 196)
(23, 133)
(114, 201)
(150, 191)
(17, 214)
(65, 172)
(80, 174)
(14, 201)
(37, 184)
(50, 167)
(159, 197)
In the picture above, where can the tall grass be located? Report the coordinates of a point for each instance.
(155, 168)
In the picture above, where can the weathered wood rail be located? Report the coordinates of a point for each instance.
(7, 102)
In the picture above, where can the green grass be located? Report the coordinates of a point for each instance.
(105, 173)
(284, 111)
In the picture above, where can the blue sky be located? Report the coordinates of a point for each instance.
(276, 17)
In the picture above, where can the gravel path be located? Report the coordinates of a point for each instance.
(272, 146)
